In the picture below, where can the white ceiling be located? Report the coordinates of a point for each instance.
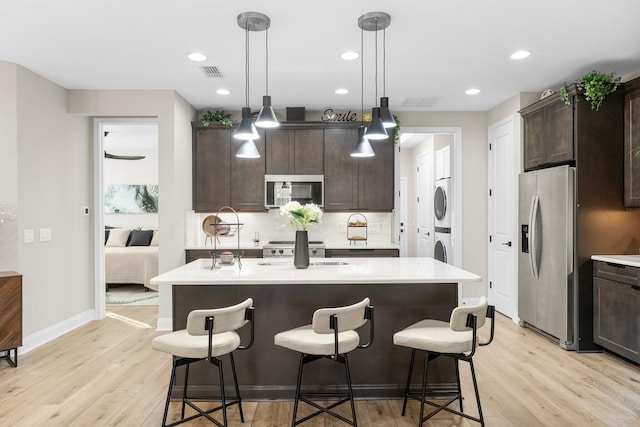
(434, 48)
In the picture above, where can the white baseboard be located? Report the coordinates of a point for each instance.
(164, 324)
(470, 301)
(54, 331)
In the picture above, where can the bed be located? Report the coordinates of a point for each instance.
(131, 256)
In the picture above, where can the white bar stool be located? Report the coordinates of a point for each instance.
(456, 339)
(209, 335)
(332, 334)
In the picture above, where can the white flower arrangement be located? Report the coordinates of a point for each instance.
(301, 216)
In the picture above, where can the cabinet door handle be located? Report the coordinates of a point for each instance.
(616, 265)
(508, 243)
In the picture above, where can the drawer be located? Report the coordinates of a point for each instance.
(617, 272)
(361, 253)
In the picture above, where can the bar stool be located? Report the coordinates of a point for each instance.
(456, 339)
(209, 335)
(331, 335)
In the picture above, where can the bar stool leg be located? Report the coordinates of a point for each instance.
(295, 404)
(171, 382)
(222, 396)
(424, 386)
(475, 387)
(184, 390)
(406, 389)
(353, 406)
(459, 387)
(235, 383)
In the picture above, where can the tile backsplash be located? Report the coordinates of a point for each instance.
(273, 226)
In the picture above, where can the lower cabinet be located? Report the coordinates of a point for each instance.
(616, 320)
(361, 253)
(10, 312)
(194, 254)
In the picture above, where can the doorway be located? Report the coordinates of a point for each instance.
(125, 157)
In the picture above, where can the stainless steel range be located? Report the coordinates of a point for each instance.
(284, 248)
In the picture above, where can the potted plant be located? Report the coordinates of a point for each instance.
(595, 86)
(218, 116)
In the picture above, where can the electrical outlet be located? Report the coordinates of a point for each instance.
(375, 228)
(84, 210)
(45, 234)
(28, 236)
(343, 228)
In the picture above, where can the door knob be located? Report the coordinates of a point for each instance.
(508, 243)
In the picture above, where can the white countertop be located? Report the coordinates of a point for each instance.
(629, 260)
(355, 271)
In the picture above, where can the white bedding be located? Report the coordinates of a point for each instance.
(131, 264)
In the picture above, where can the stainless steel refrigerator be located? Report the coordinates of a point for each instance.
(546, 287)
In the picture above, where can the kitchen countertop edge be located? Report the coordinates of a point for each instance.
(628, 260)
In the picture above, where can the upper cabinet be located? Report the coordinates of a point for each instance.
(352, 183)
(548, 135)
(294, 151)
(219, 177)
(632, 142)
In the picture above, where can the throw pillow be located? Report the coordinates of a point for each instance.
(155, 239)
(117, 237)
(140, 237)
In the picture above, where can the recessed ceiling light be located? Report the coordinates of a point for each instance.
(341, 91)
(521, 54)
(197, 56)
(473, 91)
(350, 55)
(223, 92)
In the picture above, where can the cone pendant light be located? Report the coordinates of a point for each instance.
(363, 147)
(267, 118)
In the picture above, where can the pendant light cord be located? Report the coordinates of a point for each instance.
(362, 75)
(376, 82)
(266, 73)
(246, 71)
(384, 61)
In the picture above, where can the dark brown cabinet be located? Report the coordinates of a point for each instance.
(294, 151)
(361, 253)
(617, 308)
(219, 177)
(10, 315)
(548, 135)
(357, 183)
(632, 142)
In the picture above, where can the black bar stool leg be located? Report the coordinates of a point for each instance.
(235, 383)
(184, 390)
(171, 382)
(295, 403)
(424, 386)
(406, 389)
(459, 387)
(222, 396)
(475, 387)
(353, 405)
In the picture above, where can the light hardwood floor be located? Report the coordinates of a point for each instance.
(106, 374)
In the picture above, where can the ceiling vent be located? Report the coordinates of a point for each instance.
(428, 101)
(211, 72)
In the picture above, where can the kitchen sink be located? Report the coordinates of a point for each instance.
(290, 262)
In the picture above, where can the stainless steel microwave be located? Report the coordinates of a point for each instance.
(282, 189)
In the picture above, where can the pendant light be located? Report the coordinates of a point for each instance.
(267, 118)
(248, 150)
(249, 21)
(375, 21)
(363, 147)
(385, 114)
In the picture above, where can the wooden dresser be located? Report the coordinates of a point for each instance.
(10, 315)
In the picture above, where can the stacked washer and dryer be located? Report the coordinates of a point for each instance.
(442, 202)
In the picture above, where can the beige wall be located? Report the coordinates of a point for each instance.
(8, 165)
(54, 180)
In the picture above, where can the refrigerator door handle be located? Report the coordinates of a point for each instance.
(533, 231)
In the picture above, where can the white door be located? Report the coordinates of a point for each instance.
(503, 207)
(424, 186)
(402, 231)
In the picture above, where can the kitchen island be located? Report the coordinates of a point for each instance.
(402, 290)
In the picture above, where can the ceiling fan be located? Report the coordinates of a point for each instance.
(117, 157)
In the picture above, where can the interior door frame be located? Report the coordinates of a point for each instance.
(98, 203)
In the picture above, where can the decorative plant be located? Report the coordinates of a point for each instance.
(396, 130)
(301, 216)
(218, 116)
(595, 86)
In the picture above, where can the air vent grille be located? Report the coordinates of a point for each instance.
(428, 101)
(211, 72)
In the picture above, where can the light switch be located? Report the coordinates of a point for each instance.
(45, 234)
(28, 235)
